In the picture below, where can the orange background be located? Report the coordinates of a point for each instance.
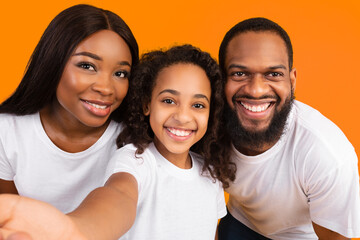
(325, 36)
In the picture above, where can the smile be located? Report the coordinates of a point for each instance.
(97, 105)
(98, 109)
(179, 132)
(256, 108)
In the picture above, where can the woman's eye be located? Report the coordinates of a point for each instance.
(198, 105)
(122, 74)
(86, 66)
(168, 101)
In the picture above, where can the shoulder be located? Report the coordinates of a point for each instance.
(15, 124)
(315, 142)
(125, 159)
(127, 150)
(7, 118)
(312, 126)
(310, 117)
(127, 156)
(116, 127)
(197, 158)
(198, 163)
(313, 121)
(130, 149)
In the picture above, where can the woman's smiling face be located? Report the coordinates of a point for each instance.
(95, 79)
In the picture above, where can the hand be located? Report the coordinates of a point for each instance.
(17, 236)
(23, 218)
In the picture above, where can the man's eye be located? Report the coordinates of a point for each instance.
(238, 74)
(275, 74)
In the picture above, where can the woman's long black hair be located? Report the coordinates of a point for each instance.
(46, 65)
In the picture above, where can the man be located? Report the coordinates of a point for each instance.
(297, 174)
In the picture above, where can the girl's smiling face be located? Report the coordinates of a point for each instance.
(95, 79)
(179, 110)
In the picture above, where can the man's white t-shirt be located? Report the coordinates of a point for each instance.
(173, 203)
(43, 171)
(310, 175)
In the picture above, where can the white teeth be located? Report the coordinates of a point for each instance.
(180, 133)
(96, 105)
(257, 108)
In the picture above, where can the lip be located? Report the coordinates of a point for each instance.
(179, 134)
(97, 108)
(255, 109)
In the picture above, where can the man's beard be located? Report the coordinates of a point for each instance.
(255, 140)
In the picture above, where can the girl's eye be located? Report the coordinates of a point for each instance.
(122, 74)
(198, 105)
(86, 66)
(168, 101)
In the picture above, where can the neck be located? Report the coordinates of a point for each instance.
(254, 150)
(58, 121)
(68, 134)
(181, 160)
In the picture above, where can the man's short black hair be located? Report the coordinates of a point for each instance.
(254, 25)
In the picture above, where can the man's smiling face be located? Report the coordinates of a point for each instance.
(259, 86)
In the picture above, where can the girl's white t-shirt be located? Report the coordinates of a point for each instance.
(173, 203)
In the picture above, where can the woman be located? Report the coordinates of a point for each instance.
(59, 127)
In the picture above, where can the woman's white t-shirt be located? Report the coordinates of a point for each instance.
(43, 171)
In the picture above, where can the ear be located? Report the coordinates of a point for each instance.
(146, 109)
(293, 78)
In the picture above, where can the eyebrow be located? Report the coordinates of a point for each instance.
(236, 66)
(278, 66)
(96, 57)
(201, 96)
(244, 67)
(174, 92)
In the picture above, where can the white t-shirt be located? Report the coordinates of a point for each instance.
(43, 171)
(173, 203)
(311, 174)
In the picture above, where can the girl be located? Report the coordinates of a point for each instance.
(58, 129)
(155, 184)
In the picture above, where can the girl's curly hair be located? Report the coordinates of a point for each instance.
(137, 128)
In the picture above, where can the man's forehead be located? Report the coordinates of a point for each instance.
(265, 47)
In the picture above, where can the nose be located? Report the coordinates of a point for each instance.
(183, 114)
(103, 84)
(257, 86)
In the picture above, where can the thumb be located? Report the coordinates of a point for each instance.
(19, 236)
(10, 235)
(8, 204)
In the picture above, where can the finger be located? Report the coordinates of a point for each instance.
(8, 204)
(19, 236)
(12, 235)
